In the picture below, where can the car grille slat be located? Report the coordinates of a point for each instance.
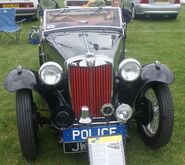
(90, 87)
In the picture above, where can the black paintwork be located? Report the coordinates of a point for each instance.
(58, 96)
(19, 79)
(128, 91)
(28, 79)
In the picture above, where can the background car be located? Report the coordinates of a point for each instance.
(23, 7)
(90, 3)
(168, 8)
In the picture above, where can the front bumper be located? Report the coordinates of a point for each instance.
(82, 133)
(156, 9)
(98, 124)
(26, 12)
(75, 139)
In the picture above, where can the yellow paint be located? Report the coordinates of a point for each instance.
(104, 139)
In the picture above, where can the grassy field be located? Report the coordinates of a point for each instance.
(147, 40)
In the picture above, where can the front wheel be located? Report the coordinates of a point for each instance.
(27, 123)
(157, 132)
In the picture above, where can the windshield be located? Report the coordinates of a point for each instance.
(71, 44)
(80, 17)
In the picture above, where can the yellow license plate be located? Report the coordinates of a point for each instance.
(10, 5)
(161, 1)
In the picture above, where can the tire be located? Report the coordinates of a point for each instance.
(158, 131)
(26, 123)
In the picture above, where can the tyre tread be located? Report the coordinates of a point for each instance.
(165, 130)
(27, 137)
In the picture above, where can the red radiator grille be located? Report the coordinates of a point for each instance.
(91, 87)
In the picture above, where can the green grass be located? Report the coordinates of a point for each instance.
(147, 40)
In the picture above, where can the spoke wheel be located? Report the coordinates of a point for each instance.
(152, 127)
(27, 123)
(158, 131)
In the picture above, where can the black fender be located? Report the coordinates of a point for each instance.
(154, 72)
(20, 79)
(157, 72)
(28, 79)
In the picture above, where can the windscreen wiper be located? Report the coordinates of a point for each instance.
(94, 12)
(57, 14)
(65, 46)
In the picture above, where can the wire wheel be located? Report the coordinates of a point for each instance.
(158, 131)
(152, 127)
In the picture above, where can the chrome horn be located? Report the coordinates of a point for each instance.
(85, 116)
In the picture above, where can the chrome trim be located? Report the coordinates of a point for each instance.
(109, 7)
(100, 123)
(51, 64)
(90, 28)
(99, 60)
(124, 62)
(81, 60)
(90, 59)
(76, 125)
(157, 64)
(152, 127)
(84, 27)
(86, 42)
(105, 106)
(121, 109)
(85, 115)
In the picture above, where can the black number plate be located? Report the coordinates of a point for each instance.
(75, 147)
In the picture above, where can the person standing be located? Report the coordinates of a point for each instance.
(126, 14)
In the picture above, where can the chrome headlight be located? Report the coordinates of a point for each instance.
(50, 73)
(123, 112)
(129, 69)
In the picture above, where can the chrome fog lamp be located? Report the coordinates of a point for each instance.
(50, 73)
(129, 69)
(107, 110)
(85, 115)
(123, 112)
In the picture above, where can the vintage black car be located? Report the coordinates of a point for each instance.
(90, 87)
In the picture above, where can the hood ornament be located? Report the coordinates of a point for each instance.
(90, 59)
